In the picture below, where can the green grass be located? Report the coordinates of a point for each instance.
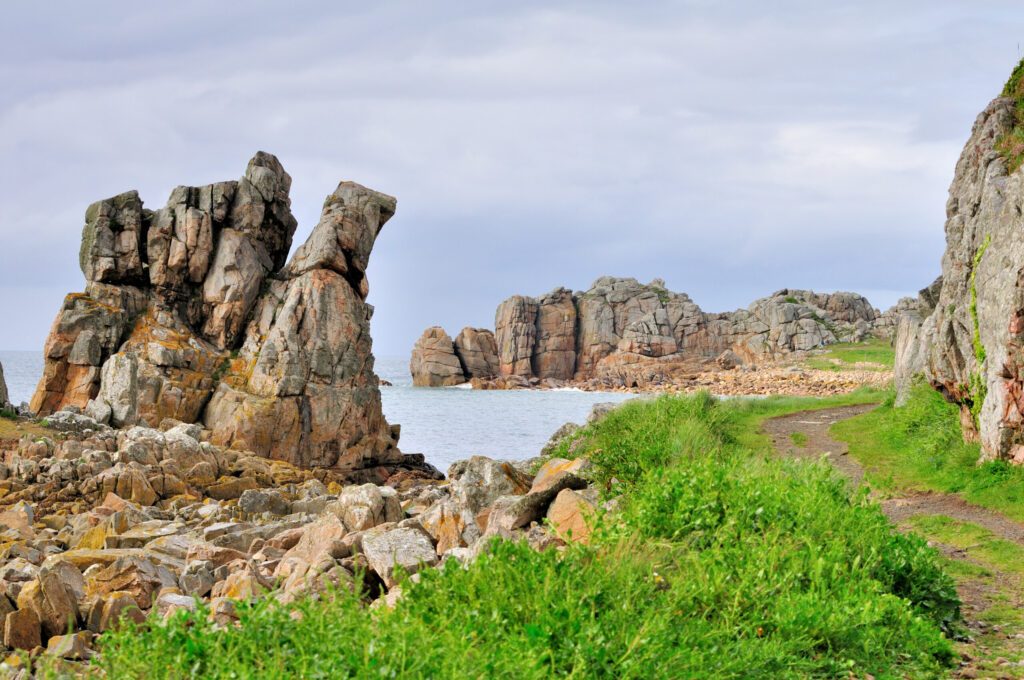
(845, 355)
(1011, 144)
(798, 439)
(721, 561)
(920, 447)
(984, 546)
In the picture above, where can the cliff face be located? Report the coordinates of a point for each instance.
(619, 327)
(191, 313)
(970, 345)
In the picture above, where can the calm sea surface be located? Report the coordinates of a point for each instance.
(445, 424)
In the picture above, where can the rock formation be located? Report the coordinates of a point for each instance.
(623, 333)
(438, 362)
(191, 313)
(970, 346)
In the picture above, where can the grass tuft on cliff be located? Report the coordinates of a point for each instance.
(722, 562)
(1011, 145)
(920, 447)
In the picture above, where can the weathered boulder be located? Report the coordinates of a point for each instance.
(190, 313)
(434, 362)
(571, 515)
(478, 352)
(402, 548)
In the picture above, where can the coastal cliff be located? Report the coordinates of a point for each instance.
(621, 333)
(966, 335)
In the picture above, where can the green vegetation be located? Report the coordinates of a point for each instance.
(978, 387)
(985, 546)
(919, 446)
(993, 567)
(8, 413)
(722, 561)
(1011, 144)
(798, 439)
(792, 300)
(846, 355)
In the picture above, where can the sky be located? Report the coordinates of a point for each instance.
(730, 148)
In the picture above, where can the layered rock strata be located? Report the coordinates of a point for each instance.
(970, 343)
(191, 313)
(622, 332)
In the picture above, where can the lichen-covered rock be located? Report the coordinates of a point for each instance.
(434, 362)
(402, 548)
(111, 249)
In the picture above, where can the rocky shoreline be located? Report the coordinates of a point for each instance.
(100, 525)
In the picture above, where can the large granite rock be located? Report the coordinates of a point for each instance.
(554, 352)
(434, 362)
(191, 313)
(478, 352)
(971, 347)
(515, 332)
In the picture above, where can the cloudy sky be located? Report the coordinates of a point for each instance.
(728, 148)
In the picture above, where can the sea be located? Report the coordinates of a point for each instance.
(445, 424)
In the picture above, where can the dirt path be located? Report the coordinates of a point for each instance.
(992, 650)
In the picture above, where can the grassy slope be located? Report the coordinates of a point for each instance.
(845, 355)
(920, 447)
(722, 562)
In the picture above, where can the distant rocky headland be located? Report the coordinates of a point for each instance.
(624, 334)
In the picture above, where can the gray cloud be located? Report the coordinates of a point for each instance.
(730, 150)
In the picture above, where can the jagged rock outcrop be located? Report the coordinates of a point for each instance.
(971, 346)
(191, 313)
(621, 332)
(434, 362)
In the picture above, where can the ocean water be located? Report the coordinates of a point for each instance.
(445, 424)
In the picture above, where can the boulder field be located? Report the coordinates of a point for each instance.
(192, 314)
(621, 333)
(965, 332)
(101, 525)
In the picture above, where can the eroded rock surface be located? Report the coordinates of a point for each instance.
(970, 344)
(191, 313)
